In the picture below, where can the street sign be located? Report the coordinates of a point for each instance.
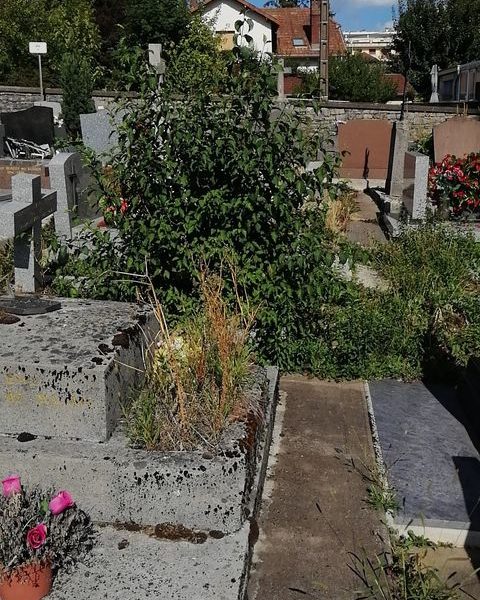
(37, 47)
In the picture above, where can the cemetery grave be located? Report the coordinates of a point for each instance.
(404, 201)
(430, 451)
(66, 369)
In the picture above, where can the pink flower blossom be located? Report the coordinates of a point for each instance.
(59, 503)
(37, 536)
(123, 206)
(11, 486)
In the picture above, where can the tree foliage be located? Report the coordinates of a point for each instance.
(197, 61)
(428, 32)
(352, 78)
(66, 26)
(77, 86)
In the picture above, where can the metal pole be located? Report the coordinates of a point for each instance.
(41, 76)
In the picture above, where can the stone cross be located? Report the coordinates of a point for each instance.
(65, 170)
(21, 219)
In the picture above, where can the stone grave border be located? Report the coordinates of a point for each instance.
(118, 484)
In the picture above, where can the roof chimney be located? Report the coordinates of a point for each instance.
(315, 15)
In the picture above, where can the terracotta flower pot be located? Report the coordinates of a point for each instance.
(30, 582)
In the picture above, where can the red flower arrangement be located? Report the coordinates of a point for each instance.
(456, 181)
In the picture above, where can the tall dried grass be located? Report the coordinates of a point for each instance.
(339, 211)
(196, 375)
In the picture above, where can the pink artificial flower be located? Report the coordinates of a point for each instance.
(37, 536)
(11, 486)
(60, 503)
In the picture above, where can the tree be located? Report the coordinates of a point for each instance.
(156, 21)
(197, 61)
(77, 86)
(65, 25)
(352, 78)
(428, 32)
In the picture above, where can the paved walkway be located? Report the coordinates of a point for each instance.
(364, 227)
(314, 512)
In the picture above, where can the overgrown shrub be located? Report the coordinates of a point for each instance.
(437, 271)
(201, 178)
(196, 376)
(351, 78)
(76, 81)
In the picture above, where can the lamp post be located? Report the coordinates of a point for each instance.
(39, 49)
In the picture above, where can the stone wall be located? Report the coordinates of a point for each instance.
(18, 98)
(10, 167)
(420, 117)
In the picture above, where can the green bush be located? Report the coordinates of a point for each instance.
(220, 180)
(438, 271)
(352, 78)
(77, 86)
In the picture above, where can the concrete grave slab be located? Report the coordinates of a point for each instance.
(116, 483)
(431, 459)
(458, 136)
(145, 568)
(65, 374)
(367, 143)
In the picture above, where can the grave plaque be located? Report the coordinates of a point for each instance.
(28, 305)
(367, 144)
(99, 132)
(458, 136)
(34, 124)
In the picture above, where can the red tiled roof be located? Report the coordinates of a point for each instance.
(295, 23)
(246, 5)
(399, 80)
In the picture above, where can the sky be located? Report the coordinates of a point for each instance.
(373, 15)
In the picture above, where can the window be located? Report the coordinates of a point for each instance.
(298, 42)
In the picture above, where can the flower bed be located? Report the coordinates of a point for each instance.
(454, 184)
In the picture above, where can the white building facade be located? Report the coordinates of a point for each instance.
(225, 13)
(377, 44)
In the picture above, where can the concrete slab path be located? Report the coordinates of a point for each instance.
(364, 228)
(314, 511)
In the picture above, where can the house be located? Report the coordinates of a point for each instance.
(291, 33)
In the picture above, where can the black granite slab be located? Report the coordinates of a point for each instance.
(430, 451)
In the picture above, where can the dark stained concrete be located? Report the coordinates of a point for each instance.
(316, 514)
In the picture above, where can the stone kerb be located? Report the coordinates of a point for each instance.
(116, 483)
